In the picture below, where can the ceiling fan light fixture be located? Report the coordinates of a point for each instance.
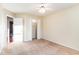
(42, 10)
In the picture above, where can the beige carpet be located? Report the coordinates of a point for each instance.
(37, 47)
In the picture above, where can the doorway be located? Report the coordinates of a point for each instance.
(10, 29)
(14, 29)
(34, 29)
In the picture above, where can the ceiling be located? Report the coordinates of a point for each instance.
(32, 8)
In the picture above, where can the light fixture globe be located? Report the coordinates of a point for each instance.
(42, 10)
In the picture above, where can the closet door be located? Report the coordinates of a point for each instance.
(18, 30)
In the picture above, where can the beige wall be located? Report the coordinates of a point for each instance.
(1, 26)
(62, 27)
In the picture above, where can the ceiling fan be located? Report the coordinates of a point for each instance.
(43, 8)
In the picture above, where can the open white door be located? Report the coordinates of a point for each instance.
(18, 30)
(38, 29)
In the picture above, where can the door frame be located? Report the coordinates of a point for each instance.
(7, 26)
(38, 28)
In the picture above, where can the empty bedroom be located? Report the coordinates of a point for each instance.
(39, 28)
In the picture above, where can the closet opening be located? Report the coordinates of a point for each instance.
(10, 29)
(34, 29)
